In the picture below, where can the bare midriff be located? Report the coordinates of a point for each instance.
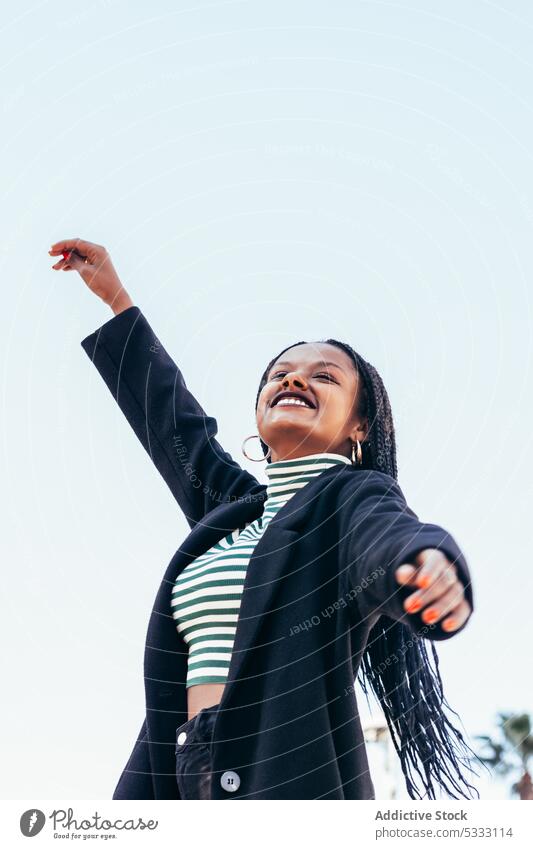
(201, 696)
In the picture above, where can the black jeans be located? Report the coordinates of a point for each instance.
(193, 762)
(193, 755)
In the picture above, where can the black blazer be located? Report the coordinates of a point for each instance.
(318, 580)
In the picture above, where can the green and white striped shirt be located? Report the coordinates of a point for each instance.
(207, 594)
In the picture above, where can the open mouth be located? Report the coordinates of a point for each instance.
(292, 399)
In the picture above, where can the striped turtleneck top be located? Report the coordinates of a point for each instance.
(207, 594)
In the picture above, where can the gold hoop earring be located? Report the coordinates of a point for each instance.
(254, 459)
(359, 453)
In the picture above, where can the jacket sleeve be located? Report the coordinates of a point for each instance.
(171, 425)
(384, 533)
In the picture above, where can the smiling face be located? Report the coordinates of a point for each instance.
(310, 403)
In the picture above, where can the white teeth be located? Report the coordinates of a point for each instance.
(287, 401)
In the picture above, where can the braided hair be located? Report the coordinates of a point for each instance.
(410, 692)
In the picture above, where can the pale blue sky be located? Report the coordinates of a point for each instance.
(261, 174)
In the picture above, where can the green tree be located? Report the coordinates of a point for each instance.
(510, 751)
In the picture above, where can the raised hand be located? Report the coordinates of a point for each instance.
(94, 266)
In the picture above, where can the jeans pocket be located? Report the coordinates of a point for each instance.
(193, 771)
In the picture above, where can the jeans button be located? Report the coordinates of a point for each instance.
(230, 781)
(181, 738)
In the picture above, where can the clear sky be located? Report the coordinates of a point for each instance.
(261, 174)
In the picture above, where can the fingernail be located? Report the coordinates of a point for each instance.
(449, 624)
(424, 581)
(430, 616)
(413, 605)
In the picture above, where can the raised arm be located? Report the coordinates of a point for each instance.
(382, 534)
(176, 432)
(150, 390)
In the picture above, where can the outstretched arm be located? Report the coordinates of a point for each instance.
(151, 392)
(171, 425)
(384, 535)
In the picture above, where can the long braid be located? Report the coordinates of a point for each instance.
(410, 691)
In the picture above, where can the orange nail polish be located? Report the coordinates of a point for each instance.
(449, 625)
(430, 616)
(424, 582)
(413, 606)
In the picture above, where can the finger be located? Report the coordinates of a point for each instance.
(406, 573)
(83, 247)
(59, 265)
(432, 563)
(443, 605)
(75, 262)
(67, 257)
(443, 583)
(458, 617)
(71, 244)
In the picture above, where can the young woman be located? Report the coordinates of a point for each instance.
(282, 594)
